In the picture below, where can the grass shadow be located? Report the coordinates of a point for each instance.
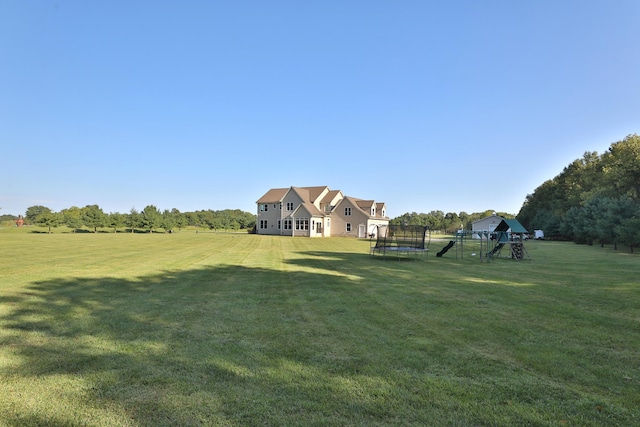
(332, 338)
(226, 345)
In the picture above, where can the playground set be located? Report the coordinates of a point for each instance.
(400, 241)
(488, 245)
(412, 241)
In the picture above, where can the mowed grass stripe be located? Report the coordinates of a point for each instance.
(231, 329)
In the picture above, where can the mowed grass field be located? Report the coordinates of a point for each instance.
(242, 330)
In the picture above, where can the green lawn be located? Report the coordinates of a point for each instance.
(240, 330)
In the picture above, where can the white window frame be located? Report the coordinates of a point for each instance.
(302, 223)
(348, 227)
(347, 211)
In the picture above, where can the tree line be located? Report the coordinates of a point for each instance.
(149, 219)
(447, 223)
(595, 199)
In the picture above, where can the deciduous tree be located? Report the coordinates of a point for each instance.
(72, 218)
(33, 212)
(93, 217)
(133, 219)
(116, 220)
(50, 219)
(151, 218)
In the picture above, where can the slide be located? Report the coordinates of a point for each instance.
(446, 248)
(494, 250)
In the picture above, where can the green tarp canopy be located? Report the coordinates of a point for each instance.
(512, 224)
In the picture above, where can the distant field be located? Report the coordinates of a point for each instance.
(234, 330)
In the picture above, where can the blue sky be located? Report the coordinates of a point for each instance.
(452, 106)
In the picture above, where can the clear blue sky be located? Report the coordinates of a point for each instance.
(425, 105)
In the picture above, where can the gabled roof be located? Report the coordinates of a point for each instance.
(309, 207)
(498, 217)
(330, 196)
(512, 224)
(359, 203)
(315, 192)
(274, 195)
(302, 192)
(306, 193)
(309, 196)
(363, 204)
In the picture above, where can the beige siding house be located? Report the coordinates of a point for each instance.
(317, 212)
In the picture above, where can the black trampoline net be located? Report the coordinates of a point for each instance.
(409, 237)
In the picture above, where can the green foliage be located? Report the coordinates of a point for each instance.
(151, 218)
(180, 220)
(72, 218)
(133, 220)
(33, 213)
(622, 168)
(596, 198)
(8, 218)
(222, 220)
(43, 216)
(168, 221)
(49, 219)
(93, 217)
(447, 223)
(116, 220)
(628, 231)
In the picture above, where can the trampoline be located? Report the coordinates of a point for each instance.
(400, 241)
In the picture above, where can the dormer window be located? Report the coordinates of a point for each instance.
(373, 211)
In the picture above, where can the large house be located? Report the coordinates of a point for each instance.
(317, 212)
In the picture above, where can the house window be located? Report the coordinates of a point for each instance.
(264, 208)
(383, 213)
(373, 211)
(287, 224)
(278, 224)
(302, 223)
(348, 227)
(347, 211)
(289, 206)
(263, 223)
